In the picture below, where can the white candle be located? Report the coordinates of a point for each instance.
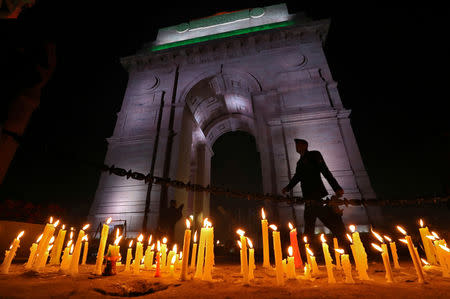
(12, 253)
(32, 255)
(49, 229)
(101, 247)
(413, 255)
(55, 254)
(73, 269)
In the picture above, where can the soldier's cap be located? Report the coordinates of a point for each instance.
(297, 140)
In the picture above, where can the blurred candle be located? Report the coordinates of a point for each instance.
(328, 259)
(359, 260)
(44, 260)
(101, 247)
(194, 251)
(32, 255)
(265, 239)
(73, 269)
(278, 255)
(172, 253)
(12, 253)
(186, 248)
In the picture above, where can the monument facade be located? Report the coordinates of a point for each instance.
(262, 71)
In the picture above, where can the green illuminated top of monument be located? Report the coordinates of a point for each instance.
(223, 25)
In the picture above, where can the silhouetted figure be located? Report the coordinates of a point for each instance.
(169, 218)
(309, 168)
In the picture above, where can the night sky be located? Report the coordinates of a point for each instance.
(391, 65)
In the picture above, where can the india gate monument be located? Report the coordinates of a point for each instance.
(262, 71)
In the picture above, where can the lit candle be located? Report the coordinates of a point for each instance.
(172, 253)
(194, 251)
(49, 229)
(201, 251)
(308, 257)
(240, 257)
(359, 254)
(427, 243)
(114, 250)
(32, 255)
(307, 271)
(328, 259)
(412, 252)
(445, 258)
(314, 268)
(186, 247)
(435, 239)
(385, 258)
(101, 247)
(290, 264)
(129, 256)
(172, 267)
(244, 264)
(85, 251)
(346, 266)
(67, 256)
(294, 243)
(148, 257)
(55, 254)
(265, 239)
(164, 253)
(278, 256)
(73, 269)
(209, 252)
(138, 255)
(12, 253)
(158, 259)
(44, 260)
(393, 252)
(251, 260)
(336, 254)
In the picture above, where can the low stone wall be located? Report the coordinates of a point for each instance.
(10, 229)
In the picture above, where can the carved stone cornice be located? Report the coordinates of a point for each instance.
(231, 47)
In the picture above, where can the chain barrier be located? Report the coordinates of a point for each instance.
(167, 182)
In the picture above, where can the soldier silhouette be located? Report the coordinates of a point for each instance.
(309, 167)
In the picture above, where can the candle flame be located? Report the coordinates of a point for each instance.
(180, 256)
(425, 261)
(71, 235)
(217, 242)
(85, 227)
(52, 240)
(431, 237)
(205, 222)
(142, 259)
(116, 242)
(51, 220)
(240, 232)
(39, 238)
(322, 238)
(290, 251)
(117, 233)
(387, 238)
(71, 248)
(85, 238)
(378, 237)
(108, 221)
(63, 226)
(341, 251)
(435, 235)
(421, 222)
(149, 240)
(49, 247)
(131, 243)
(10, 247)
(273, 226)
(188, 224)
(164, 240)
(69, 243)
(192, 217)
(400, 229)
(173, 259)
(352, 228)
(310, 252)
(56, 223)
(377, 247)
(305, 239)
(291, 227)
(174, 248)
(240, 244)
(349, 238)
(403, 241)
(20, 235)
(141, 237)
(152, 247)
(444, 247)
(158, 246)
(263, 215)
(195, 236)
(250, 244)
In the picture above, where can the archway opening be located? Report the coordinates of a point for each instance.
(236, 165)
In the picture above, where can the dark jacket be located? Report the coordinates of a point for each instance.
(308, 171)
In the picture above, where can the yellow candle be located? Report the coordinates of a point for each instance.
(359, 255)
(129, 256)
(265, 239)
(172, 253)
(393, 252)
(67, 256)
(49, 229)
(307, 272)
(172, 267)
(85, 251)
(360, 252)
(240, 257)
(385, 258)
(12, 253)
(201, 253)
(73, 269)
(32, 255)
(148, 256)
(138, 255)
(251, 260)
(443, 255)
(194, 252)
(209, 252)
(312, 258)
(308, 257)
(57, 248)
(164, 253)
(101, 247)
(290, 264)
(347, 268)
(186, 247)
(283, 262)
(416, 263)
(328, 260)
(44, 260)
(278, 256)
(244, 255)
(427, 243)
(336, 254)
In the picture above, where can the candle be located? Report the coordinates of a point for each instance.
(294, 243)
(57, 248)
(445, 258)
(73, 269)
(307, 271)
(435, 239)
(412, 252)
(67, 256)
(244, 264)
(209, 252)
(32, 255)
(283, 262)
(328, 259)
(393, 252)
(172, 253)
(138, 255)
(186, 247)
(172, 268)
(291, 264)
(129, 256)
(427, 243)
(194, 251)
(44, 260)
(336, 254)
(346, 266)
(11, 254)
(308, 257)
(114, 250)
(101, 247)
(278, 256)
(314, 268)
(49, 229)
(265, 239)
(251, 260)
(85, 251)
(240, 257)
(158, 259)
(164, 253)
(148, 256)
(359, 254)
(201, 252)
(385, 258)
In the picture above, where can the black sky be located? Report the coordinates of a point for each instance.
(391, 65)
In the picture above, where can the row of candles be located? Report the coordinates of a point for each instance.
(202, 256)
